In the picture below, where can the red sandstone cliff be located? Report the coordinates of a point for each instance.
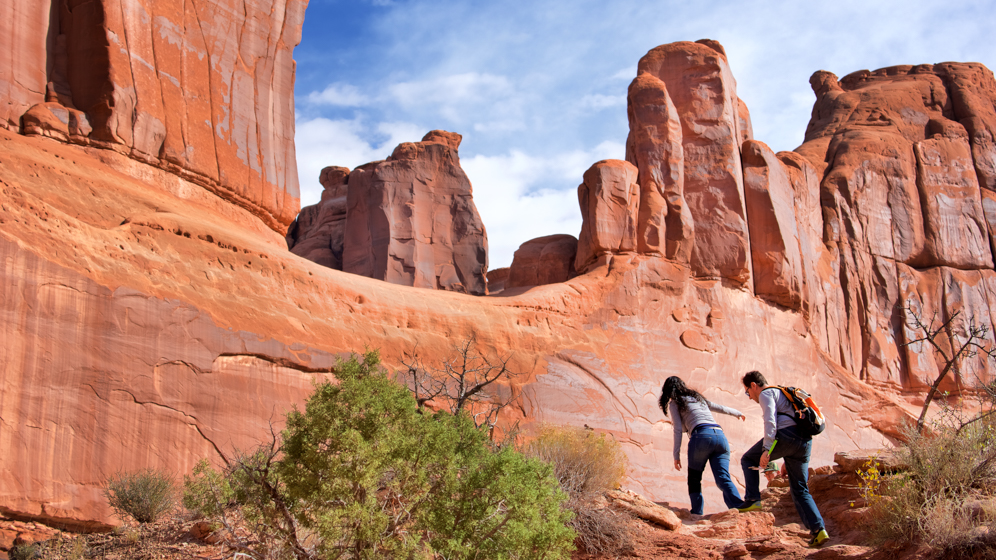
(204, 89)
(146, 322)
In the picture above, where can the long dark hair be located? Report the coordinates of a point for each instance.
(675, 389)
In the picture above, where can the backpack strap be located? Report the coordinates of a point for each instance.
(791, 399)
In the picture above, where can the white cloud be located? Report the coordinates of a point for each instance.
(522, 197)
(627, 73)
(322, 142)
(469, 87)
(338, 94)
(486, 102)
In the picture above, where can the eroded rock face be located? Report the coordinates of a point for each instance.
(701, 86)
(203, 89)
(149, 323)
(24, 52)
(540, 261)
(411, 219)
(654, 146)
(774, 237)
(904, 154)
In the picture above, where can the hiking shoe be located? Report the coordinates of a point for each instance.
(753, 506)
(819, 539)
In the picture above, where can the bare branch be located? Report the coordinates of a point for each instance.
(467, 380)
(969, 344)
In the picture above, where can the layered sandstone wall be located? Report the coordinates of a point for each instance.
(146, 325)
(204, 89)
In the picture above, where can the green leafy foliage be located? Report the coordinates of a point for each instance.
(362, 472)
(206, 492)
(144, 495)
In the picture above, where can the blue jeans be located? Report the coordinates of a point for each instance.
(795, 450)
(709, 444)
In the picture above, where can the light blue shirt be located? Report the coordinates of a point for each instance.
(773, 401)
(695, 413)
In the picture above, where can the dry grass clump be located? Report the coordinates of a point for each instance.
(587, 465)
(144, 495)
(946, 499)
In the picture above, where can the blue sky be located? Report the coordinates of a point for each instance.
(538, 89)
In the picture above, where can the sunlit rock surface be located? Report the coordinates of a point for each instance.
(149, 322)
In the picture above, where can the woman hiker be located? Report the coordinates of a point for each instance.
(689, 412)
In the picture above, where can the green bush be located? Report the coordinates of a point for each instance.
(586, 465)
(363, 473)
(144, 495)
(207, 492)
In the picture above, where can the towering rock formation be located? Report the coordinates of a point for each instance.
(699, 83)
(776, 253)
(655, 147)
(610, 206)
(203, 89)
(319, 230)
(411, 219)
(903, 152)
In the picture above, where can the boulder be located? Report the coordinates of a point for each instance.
(411, 219)
(885, 460)
(540, 261)
(610, 202)
(642, 508)
(701, 86)
(56, 121)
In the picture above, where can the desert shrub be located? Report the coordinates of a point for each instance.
(206, 492)
(948, 468)
(31, 551)
(586, 465)
(144, 495)
(362, 472)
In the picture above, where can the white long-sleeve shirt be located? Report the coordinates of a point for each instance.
(772, 402)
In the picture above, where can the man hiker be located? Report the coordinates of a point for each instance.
(781, 440)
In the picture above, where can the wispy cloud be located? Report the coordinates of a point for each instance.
(598, 101)
(322, 142)
(340, 95)
(521, 196)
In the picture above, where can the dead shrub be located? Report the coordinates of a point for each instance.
(587, 464)
(941, 500)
